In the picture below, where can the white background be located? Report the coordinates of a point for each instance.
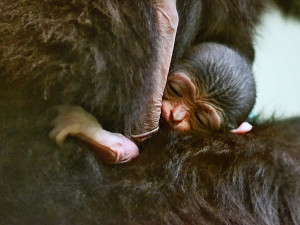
(277, 66)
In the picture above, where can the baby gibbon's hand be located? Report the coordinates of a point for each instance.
(111, 148)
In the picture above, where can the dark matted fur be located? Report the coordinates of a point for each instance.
(225, 179)
(61, 49)
(227, 22)
(99, 54)
(289, 8)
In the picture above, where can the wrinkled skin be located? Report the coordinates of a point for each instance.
(167, 22)
(184, 110)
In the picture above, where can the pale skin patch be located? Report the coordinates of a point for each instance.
(244, 128)
(111, 148)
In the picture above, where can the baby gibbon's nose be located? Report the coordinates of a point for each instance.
(178, 113)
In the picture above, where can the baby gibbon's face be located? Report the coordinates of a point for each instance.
(184, 106)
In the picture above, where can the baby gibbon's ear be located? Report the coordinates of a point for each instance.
(244, 128)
